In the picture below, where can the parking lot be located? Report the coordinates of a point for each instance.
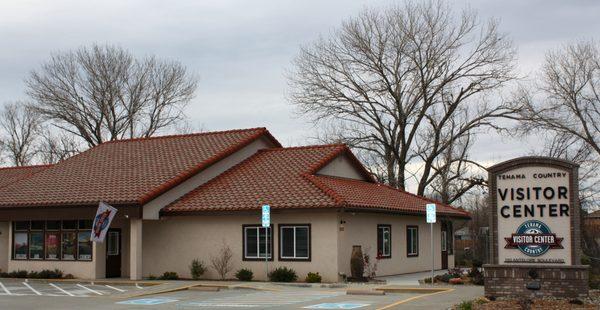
(24, 287)
(21, 294)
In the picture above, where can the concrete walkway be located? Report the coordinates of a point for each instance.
(410, 278)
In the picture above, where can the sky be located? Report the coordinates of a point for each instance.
(240, 50)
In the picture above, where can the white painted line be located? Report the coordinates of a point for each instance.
(116, 289)
(5, 289)
(89, 289)
(32, 289)
(138, 286)
(60, 289)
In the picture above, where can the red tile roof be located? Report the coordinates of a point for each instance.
(130, 171)
(10, 175)
(285, 178)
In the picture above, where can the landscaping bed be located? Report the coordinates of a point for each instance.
(592, 302)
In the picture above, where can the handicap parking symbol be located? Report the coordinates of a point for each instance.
(147, 301)
(338, 305)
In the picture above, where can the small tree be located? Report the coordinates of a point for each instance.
(197, 269)
(222, 262)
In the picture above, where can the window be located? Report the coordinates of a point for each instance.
(84, 245)
(412, 240)
(384, 241)
(444, 240)
(449, 238)
(294, 242)
(52, 240)
(112, 243)
(258, 242)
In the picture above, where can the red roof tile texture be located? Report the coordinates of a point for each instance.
(285, 178)
(127, 171)
(11, 175)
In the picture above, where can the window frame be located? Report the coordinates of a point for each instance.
(45, 231)
(271, 239)
(280, 241)
(409, 252)
(380, 240)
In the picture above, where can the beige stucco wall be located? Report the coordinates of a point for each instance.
(361, 229)
(341, 167)
(4, 245)
(152, 208)
(172, 243)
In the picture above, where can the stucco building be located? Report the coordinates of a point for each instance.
(185, 197)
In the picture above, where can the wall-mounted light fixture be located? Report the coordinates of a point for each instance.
(342, 225)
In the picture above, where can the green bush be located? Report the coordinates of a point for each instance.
(313, 277)
(152, 277)
(595, 282)
(44, 274)
(244, 274)
(465, 305)
(197, 269)
(283, 274)
(169, 275)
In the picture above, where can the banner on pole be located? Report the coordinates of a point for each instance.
(104, 217)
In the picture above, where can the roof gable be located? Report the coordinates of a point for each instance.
(127, 171)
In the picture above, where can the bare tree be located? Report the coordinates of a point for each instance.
(222, 261)
(55, 147)
(393, 81)
(103, 93)
(20, 127)
(567, 97)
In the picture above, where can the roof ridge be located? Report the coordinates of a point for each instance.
(178, 179)
(26, 167)
(325, 189)
(194, 134)
(314, 146)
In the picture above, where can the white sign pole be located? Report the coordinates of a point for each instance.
(266, 223)
(431, 221)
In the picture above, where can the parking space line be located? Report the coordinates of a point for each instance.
(60, 289)
(412, 298)
(89, 289)
(5, 289)
(114, 288)
(138, 286)
(32, 289)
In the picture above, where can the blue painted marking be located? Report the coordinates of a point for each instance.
(338, 305)
(147, 301)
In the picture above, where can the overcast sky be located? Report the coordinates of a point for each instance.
(241, 49)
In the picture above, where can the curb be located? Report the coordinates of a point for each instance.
(418, 290)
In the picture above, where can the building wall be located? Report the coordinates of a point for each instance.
(341, 167)
(4, 245)
(173, 242)
(361, 229)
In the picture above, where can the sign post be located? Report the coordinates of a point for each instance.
(431, 221)
(266, 223)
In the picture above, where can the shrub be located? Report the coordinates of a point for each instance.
(169, 275)
(244, 274)
(197, 269)
(357, 264)
(283, 274)
(312, 277)
(465, 305)
(595, 282)
(152, 277)
(222, 262)
(44, 274)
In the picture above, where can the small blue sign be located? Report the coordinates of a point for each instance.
(147, 301)
(266, 216)
(430, 212)
(337, 305)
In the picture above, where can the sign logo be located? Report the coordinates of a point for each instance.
(533, 238)
(104, 217)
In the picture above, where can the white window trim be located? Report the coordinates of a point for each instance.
(444, 238)
(294, 244)
(269, 238)
(414, 241)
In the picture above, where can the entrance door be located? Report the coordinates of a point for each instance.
(444, 238)
(113, 253)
